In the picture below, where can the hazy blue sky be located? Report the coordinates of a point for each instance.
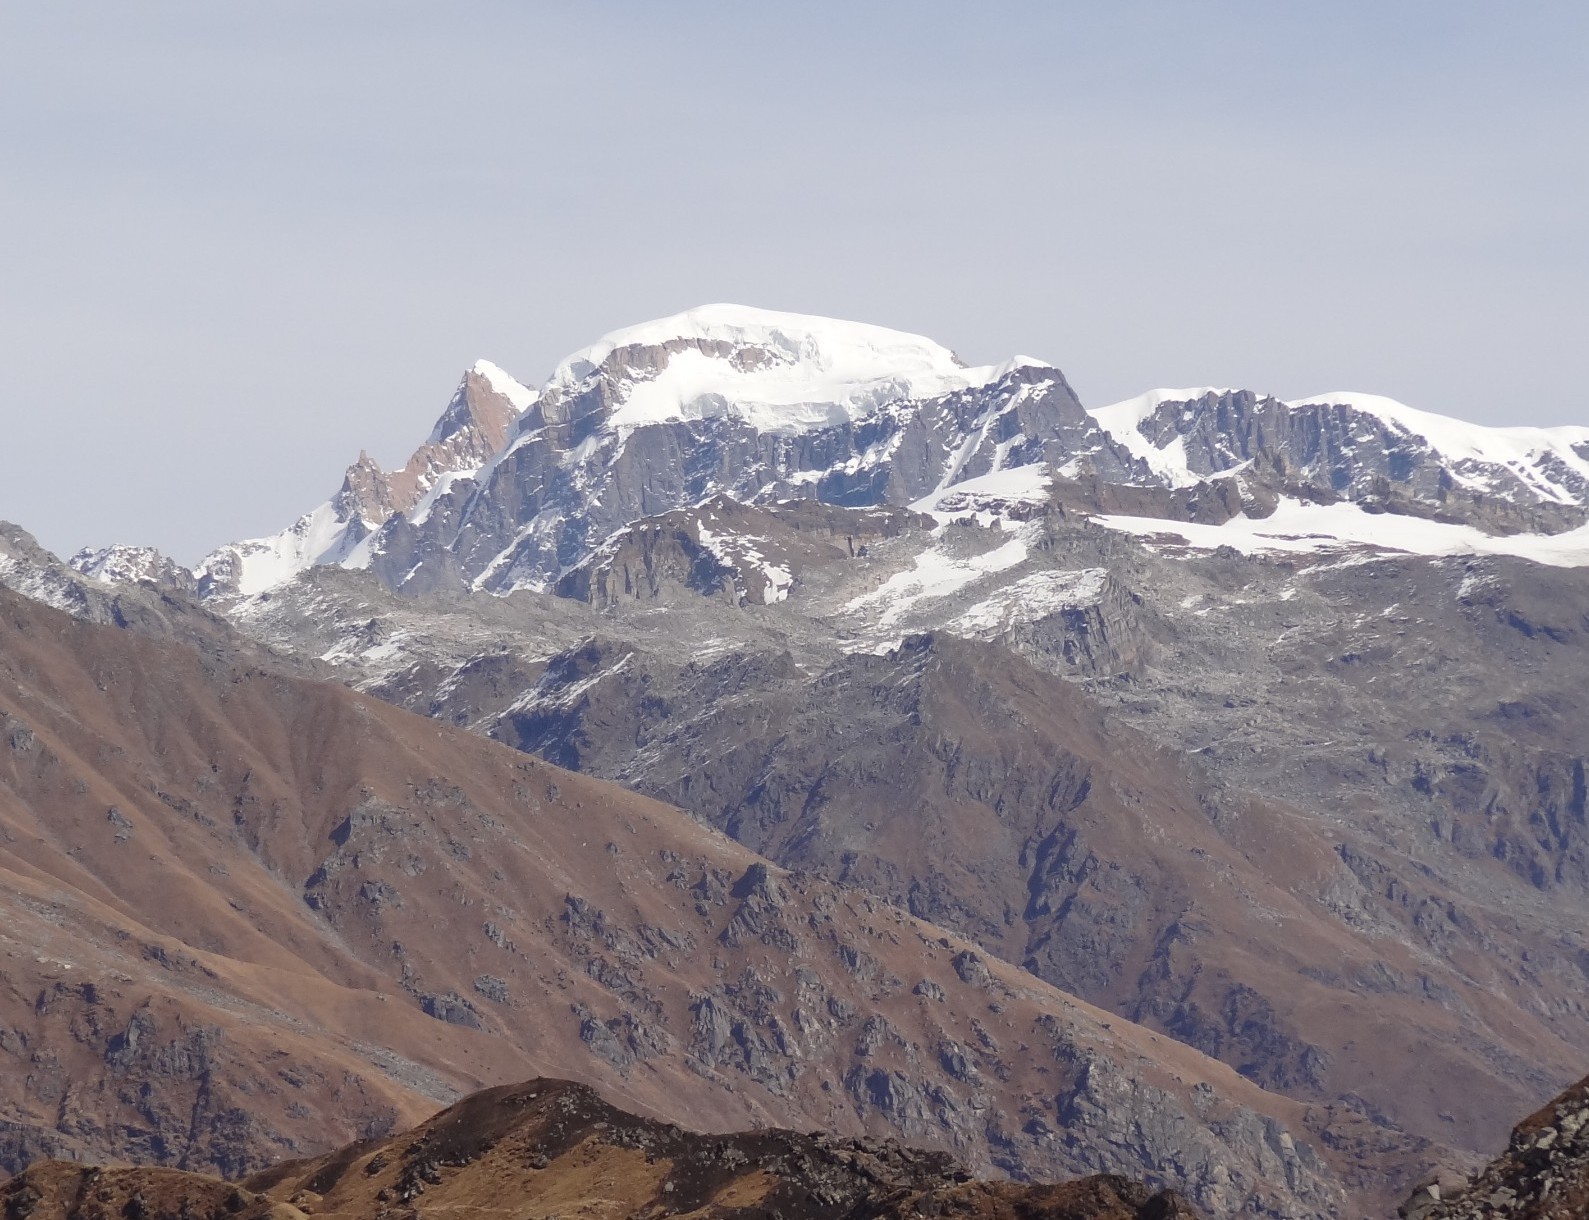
(243, 240)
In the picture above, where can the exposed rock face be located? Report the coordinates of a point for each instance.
(473, 428)
(243, 915)
(549, 1144)
(724, 549)
(1379, 453)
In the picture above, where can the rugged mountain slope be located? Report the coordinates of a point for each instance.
(245, 914)
(995, 799)
(1367, 449)
(531, 1149)
(1307, 858)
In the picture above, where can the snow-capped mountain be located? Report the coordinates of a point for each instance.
(517, 488)
(744, 403)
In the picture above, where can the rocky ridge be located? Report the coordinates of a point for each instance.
(1370, 450)
(534, 1149)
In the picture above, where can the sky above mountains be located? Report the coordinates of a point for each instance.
(244, 242)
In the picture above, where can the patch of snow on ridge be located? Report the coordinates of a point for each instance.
(1301, 527)
(740, 552)
(519, 395)
(1522, 450)
(545, 692)
(1123, 420)
(1029, 599)
(123, 564)
(788, 372)
(1027, 484)
(936, 574)
(421, 511)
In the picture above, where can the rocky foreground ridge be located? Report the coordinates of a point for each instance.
(551, 1148)
(1542, 1175)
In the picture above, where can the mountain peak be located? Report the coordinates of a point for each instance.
(504, 384)
(123, 564)
(748, 324)
(778, 372)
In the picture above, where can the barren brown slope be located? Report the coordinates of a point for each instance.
(543, 1148)
(247, 916)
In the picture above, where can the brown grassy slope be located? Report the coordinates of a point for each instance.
(246, 916)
